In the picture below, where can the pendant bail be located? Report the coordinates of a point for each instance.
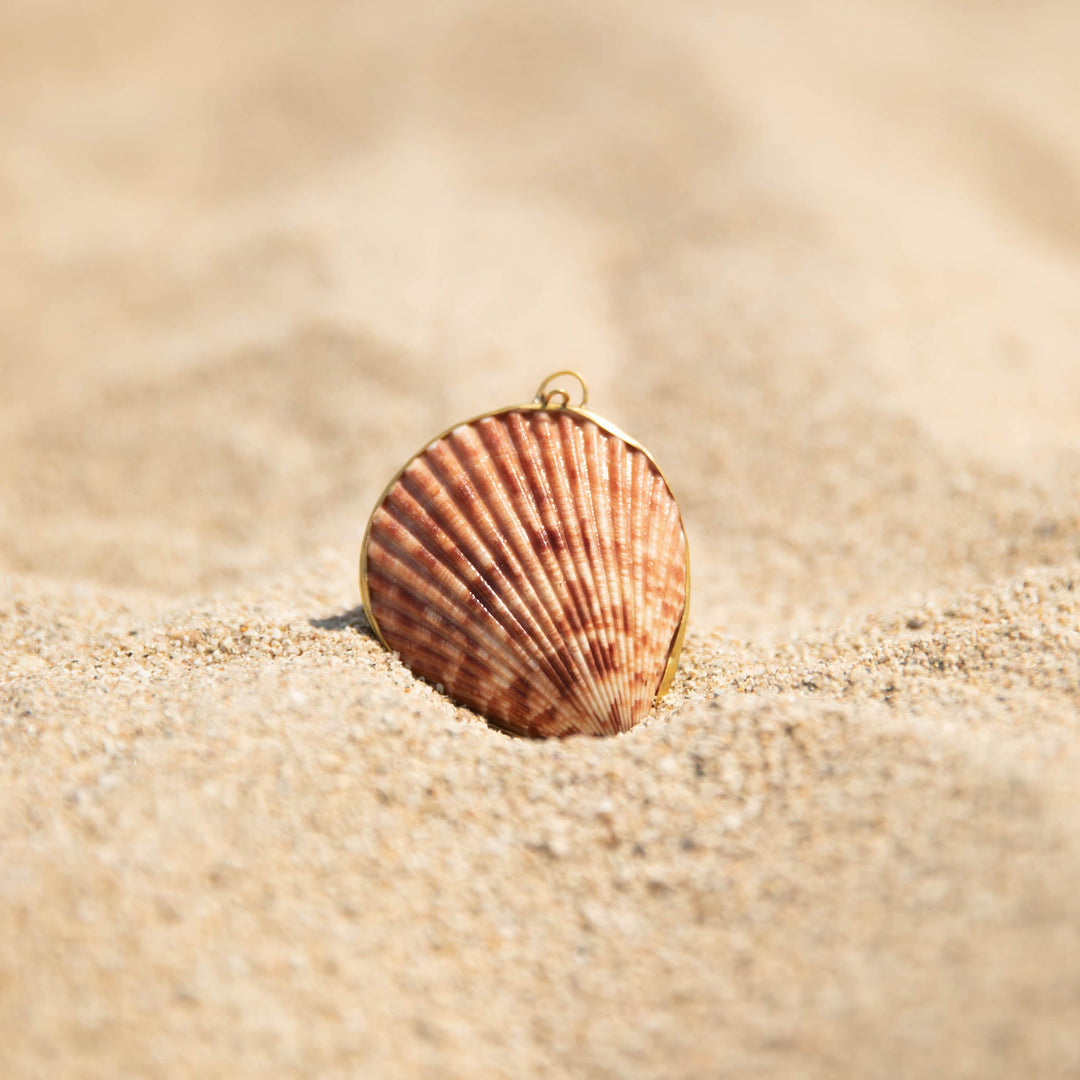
(547, 399)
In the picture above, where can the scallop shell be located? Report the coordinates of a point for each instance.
(532, 563)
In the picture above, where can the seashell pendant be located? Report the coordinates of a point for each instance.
(532, 564)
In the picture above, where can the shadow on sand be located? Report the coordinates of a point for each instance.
(354, 619)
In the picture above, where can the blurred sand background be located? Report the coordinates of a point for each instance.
(822, 259)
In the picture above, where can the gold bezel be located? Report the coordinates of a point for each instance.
(543, 404)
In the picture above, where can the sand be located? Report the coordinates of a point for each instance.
(823, 260)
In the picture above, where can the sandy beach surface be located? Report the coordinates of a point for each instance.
(822, 259)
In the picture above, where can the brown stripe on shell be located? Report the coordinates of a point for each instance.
(435, 614)
(431, 620)
(566, 471)
(484, 548)
(488, 451)
(548, 521)
(600, 490)
(533, 564)
(435, 568)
